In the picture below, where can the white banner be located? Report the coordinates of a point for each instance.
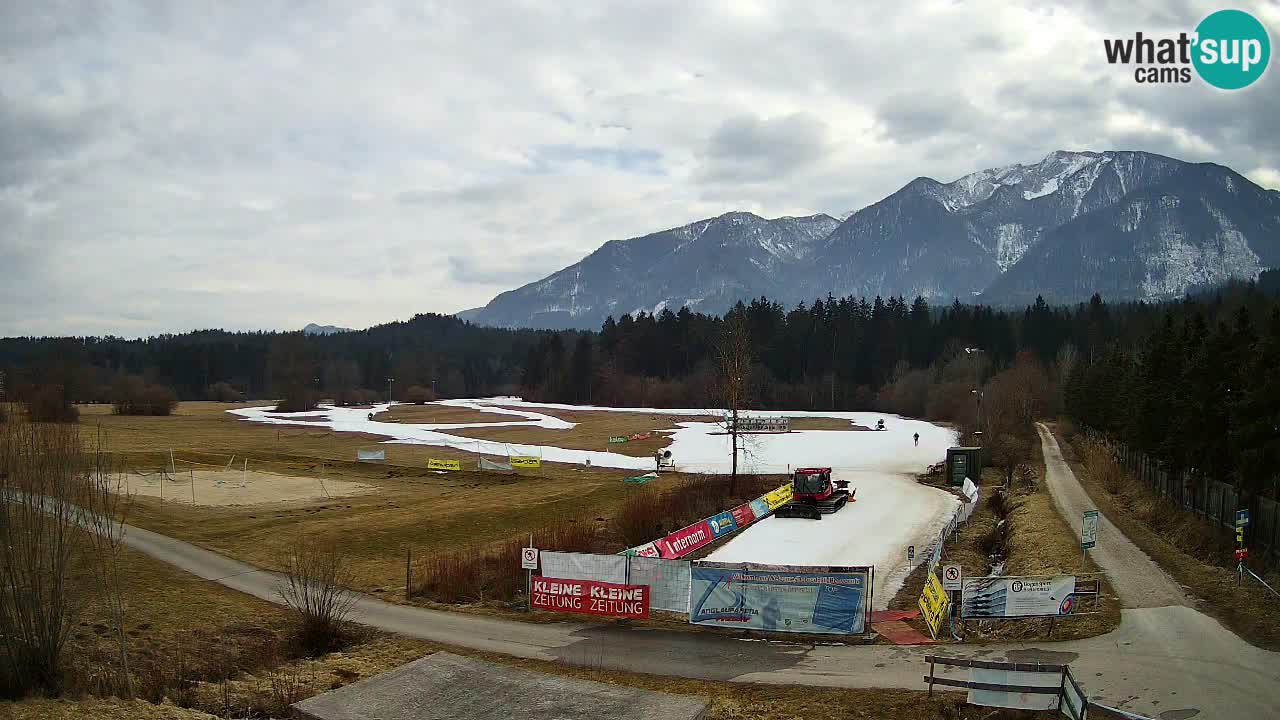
(1013, 597)
(1016, 678)
(668, 582)
(584, 566)
(370, 455)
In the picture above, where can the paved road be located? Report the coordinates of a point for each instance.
(1160, 660)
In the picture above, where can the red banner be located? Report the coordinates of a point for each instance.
(590, 597)
(743, 515)
(686, 540)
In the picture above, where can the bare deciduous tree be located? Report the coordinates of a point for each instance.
(731, 390)
(316, 576)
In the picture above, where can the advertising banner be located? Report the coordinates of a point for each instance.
(777, 498)
(1013, 597)
(779, 598)
(685, 540)
(743, 515)
(934, 602)
(617, 438)
(722, 524)
(433, 464)
(760, 508)
(589, 597)
(525, 461)
(648, 550)
(371, 455)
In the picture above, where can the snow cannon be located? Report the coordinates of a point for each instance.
(814, 494)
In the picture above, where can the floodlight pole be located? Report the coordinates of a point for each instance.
(390, 398)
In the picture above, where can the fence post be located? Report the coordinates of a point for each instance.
(408, 573)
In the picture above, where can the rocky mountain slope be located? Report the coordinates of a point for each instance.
(1127, 224)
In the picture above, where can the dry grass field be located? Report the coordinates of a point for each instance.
(409, 507)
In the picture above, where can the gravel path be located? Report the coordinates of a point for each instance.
(1137, 579)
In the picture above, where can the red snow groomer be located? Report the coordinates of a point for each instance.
(815, 493)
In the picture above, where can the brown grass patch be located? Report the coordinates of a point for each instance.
(439, 414)
(592, 432)
(1034, 540)
(821, 423)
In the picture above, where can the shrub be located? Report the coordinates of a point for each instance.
(480, 574)
(224, 392)
(54, 489)
(418, 395)
(131, 395)
(316, 577)
(50, 404)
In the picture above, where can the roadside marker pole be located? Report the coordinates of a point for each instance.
(528, 583)
(193, 486)
(408, 578)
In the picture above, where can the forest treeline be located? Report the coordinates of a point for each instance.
(1190, 382)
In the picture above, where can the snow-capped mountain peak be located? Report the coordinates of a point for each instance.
(1135, 224)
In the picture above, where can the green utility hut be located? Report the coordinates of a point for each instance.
(964, 462)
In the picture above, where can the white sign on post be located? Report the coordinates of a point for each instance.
(952, 577)
(1089, 529)
(529, 558)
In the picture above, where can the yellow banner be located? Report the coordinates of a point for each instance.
(433, 464)
(779, 497)
(934, 602)
(525, 461)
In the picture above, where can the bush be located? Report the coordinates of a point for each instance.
(131, 395)
(50, 404)
(480, 574)
(298, 400)
(355, 396)
(418, 395)
(316, 577)
(224, 392)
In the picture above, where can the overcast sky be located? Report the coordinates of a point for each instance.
(165, 167)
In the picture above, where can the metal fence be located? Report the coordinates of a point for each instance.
(1212, 500)
(668, 580)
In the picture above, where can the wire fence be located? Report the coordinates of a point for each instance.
(1214, 501)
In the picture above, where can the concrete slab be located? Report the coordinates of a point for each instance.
(448, 686)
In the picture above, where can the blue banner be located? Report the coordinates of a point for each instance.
(722, 524)
(779, 598)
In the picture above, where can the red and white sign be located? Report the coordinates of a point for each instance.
(743, 516)
(648, 550)
(590, 597)
(686, 540)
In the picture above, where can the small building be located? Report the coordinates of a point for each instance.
(964, 462)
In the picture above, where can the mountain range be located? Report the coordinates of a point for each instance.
(1128, 225)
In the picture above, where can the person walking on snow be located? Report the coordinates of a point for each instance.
(917, 439)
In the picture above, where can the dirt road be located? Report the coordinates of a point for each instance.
(1138, 581)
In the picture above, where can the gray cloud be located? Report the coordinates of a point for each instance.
(272, 165)
(747, 148)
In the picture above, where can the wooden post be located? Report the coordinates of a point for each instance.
(408, 572)
(193, 486)
(930, 676)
